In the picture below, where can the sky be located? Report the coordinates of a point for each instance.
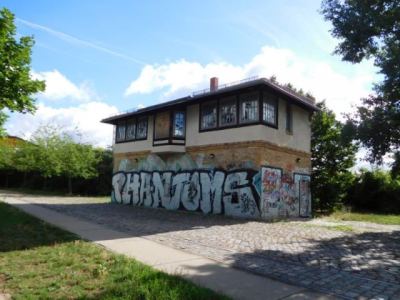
(100, 58)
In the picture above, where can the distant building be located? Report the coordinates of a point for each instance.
(11, 140)
(241, 150)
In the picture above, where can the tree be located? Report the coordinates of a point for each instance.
(45, 153)
(7, 153)
(25, 159)
(77, 160)
(333, 154)
(371, 29)
(16, 84)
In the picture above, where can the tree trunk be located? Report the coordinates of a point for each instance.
(6, 180)
(69, 186)
(45, 183)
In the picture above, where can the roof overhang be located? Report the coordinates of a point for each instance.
(284, 92)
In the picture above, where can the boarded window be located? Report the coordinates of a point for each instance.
(162, 125)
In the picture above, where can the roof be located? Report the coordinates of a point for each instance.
(196, 96)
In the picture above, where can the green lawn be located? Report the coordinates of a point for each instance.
(367, 217)
(55, 193)
(39, 261)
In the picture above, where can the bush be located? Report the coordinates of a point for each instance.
(375, 191)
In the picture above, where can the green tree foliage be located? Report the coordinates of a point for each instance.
(371, 30)
(3, 119)
(375, 191)
(47, 143)
(25, 159)
(77, 160)
(333, 154)
(16, 85)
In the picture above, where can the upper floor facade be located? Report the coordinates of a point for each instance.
(254, 110)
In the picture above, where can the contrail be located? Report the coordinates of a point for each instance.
(73, 40)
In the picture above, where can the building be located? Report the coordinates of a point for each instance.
(241, 150)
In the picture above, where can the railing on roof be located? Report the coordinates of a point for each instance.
(223, 86)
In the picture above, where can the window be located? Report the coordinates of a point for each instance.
(179, 124)
(209, 115)
(141, 128)
(270, 113)
(131, 130)
(120, 134)
(289, 119)
(162, 125)
(227, 112)
(249, 107)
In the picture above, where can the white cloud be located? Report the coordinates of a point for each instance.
(85, 117)
(59, 87)
(341, 90)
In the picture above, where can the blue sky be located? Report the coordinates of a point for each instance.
(100, 57)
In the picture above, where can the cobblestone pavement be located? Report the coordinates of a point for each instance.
(360, 264)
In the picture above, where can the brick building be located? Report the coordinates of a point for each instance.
(241, 150)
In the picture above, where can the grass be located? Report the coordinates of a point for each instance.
(366, 217)
(344, 228)
(55, 193)
(39, 261)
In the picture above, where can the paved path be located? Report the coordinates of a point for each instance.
(363, 264)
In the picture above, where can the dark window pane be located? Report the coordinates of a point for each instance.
(141, 128)
(227, 113)
(120, 134)
(162, 125)
(289, 118)
(131, 130)
(209, 115)
(179, 124)
(270, 109)
(249, 107)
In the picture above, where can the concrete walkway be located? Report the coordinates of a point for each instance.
(202, 271)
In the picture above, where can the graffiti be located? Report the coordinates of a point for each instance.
(303, 193)
(271, 182)
(284, 195)
(287, 197)
(269, 193)
(230, 193)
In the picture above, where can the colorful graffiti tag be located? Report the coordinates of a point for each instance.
(284, 195)
(238, 193)
(218, 192)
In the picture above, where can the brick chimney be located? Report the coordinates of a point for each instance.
(213, 84)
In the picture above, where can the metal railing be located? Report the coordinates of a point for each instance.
(223, 86)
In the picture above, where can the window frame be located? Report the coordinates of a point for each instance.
(228, 99)
(269, 97)
(172, 135)
(132, 120)
(127, 123)
(216, 104)
(261, 91)
(154, 125)
(121, 123)
(257, 113)
(138, 119)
